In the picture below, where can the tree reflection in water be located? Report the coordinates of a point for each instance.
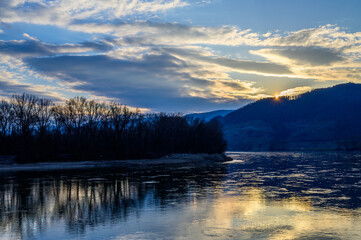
(258, 196)
(30, 202)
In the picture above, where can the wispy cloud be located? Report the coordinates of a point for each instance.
(295, 91)
(137, 82)
(63, 12)
(232, 64)
(33, 47)
(312, 56)
(131, 58)
(9, 85)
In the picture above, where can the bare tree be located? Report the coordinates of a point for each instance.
(82, 130)
(94, 113)
(77, 109)
(25, 112)
(71, 115)
(6, 118)
(44, 115)
(61, 119)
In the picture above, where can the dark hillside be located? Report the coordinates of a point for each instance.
(328, 118)
(337, 103)
(207, 116)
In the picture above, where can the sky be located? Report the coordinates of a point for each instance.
(177, 55)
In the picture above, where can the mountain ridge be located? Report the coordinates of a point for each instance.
(207, 116)
(322, 119)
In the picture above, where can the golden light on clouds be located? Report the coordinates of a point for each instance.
(294, 91)
(118, 50)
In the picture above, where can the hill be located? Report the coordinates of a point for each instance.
(207, 116)
(322, 119)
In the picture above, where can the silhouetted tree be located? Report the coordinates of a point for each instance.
(25, 112)
(37, 130)
(6, 118)
(44, 115)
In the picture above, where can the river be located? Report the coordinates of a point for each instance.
(264, 195)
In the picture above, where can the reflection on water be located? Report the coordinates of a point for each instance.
(257, 196)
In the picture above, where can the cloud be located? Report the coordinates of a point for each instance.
(133, 70)
(317, 63)
(324, 53)
(313, 56)
(113, 17)
(10, 87)
(30, 37)
(63, 12)
(154, 82)
(134, 82)
(328, 36)
(295, 91)
(250, 66)
(153, 64)
(338, 74)
(163, 33)
(233, 64)
(33, 47)
(143, 32)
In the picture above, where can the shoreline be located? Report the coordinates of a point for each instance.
(169, 160)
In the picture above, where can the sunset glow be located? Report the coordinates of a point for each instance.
(177, 55)
(180, 119)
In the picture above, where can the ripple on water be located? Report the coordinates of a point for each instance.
(256, 196)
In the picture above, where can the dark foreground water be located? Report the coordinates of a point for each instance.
(257, 196)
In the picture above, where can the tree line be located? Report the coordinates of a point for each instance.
(36, 129)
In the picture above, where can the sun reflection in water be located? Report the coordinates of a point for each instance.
(249, 198)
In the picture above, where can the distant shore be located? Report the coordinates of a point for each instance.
(7, 164)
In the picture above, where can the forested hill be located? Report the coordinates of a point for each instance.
(336, 103)
(322, 119)
(207, 116)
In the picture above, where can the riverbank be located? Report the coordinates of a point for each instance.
(7, 164)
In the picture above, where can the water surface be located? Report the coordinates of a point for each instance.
(256, 196)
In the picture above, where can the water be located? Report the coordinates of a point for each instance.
(256, 196)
